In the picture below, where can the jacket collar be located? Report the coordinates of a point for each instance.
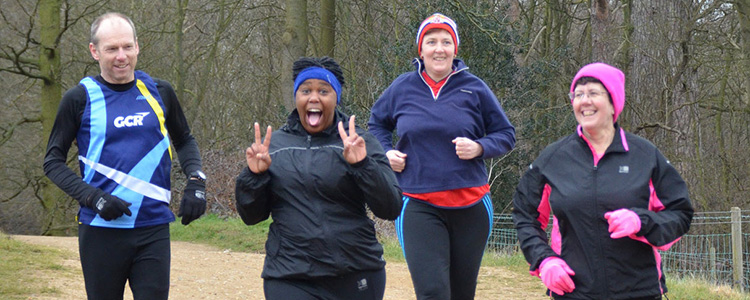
(619, 141)
(458, 65)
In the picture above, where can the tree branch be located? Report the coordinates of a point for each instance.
(657, 125)
(725, 109)
(87, 11)
(7, 133)
(18, 192)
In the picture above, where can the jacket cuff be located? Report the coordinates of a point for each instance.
(643, 218)
(361, 162)
(249, 180)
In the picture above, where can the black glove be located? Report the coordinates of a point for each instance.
(193, 201)
(108, 207)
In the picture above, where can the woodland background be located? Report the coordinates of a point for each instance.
(686, 64)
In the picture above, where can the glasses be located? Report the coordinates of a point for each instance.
(591, 95)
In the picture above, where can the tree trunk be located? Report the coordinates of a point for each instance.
(663, 86)
(295, 46)
(743, 9)
(210, 59)
(52, 198)
(327, 27)
(179, 76)
(600, 30)
(624, 54)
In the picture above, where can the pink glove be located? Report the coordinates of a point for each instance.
(623, 222)
(555, 274)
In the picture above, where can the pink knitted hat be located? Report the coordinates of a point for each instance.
(613, 80)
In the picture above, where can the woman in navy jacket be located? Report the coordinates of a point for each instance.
(448, 122)
(615, 199)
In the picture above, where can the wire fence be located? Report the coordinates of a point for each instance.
(706, 251)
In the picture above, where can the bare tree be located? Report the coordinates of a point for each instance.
(295, 45)
(601, 31)
(36, 54)
(743, 11)
(327, 27)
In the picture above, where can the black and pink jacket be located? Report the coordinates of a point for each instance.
(577, 188)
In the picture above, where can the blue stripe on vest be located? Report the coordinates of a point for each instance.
(98, 124)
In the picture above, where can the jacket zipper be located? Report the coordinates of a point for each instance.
(599, 242)
(434, 97)
(328, 240)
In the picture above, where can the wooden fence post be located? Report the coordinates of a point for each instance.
(737, 274)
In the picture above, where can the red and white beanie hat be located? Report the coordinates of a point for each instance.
(438, 21)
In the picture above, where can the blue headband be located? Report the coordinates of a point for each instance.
(318, 73)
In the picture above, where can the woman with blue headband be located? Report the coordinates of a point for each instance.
(448, 122)
(315, 177)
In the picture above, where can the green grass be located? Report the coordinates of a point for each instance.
(515, 263)
(223, 233)
(391, 249)
(697, 289)
(23, 268)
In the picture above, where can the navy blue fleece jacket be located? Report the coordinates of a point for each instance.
(425, 125)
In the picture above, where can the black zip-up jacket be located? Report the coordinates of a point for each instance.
(581, 192)
(318, 202)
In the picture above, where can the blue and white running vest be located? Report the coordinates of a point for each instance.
(124, 150)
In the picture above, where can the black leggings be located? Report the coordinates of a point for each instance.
(444, 247)
(365, 285)
(111, 256)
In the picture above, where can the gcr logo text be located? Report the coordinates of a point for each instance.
(130, 121)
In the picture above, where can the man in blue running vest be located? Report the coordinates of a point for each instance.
(125, 124)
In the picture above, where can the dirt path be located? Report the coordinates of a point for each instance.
(203, 272)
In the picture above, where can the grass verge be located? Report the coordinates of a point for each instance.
(223, 233)
(688, 288)
(24, 268)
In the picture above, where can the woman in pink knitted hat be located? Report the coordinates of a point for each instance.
(448, 122)
(615, 202)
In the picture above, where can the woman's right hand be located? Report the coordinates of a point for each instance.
(397, 160)
(258, 159)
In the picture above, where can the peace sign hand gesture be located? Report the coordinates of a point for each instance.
(355, 149)
(258, 159)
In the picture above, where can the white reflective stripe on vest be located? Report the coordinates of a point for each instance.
(137, 185)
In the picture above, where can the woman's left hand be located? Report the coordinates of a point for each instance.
(355, 149)
(467, 149)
